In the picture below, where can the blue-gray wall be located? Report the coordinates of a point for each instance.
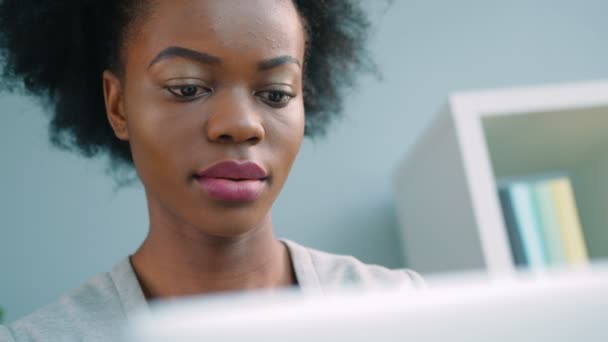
(62, 221)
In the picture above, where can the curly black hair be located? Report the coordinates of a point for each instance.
(58, 50)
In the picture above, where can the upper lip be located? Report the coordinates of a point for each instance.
(233, 169)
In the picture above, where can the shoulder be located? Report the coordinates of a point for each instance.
(5, 334)
(332, 270)
(94, 308)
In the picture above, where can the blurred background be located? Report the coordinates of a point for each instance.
(63, 220)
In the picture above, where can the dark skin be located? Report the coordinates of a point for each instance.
(227, 87)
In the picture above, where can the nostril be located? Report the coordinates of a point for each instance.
(253, 140)
(225, 138)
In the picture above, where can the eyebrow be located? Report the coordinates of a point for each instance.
(176, 51)
(278, 61)
(205, 58)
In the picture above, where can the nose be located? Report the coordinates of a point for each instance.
(234, 120)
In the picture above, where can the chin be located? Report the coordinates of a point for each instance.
(234, 225)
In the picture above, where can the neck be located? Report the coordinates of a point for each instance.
(179, 259)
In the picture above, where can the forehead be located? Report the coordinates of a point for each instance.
(264, 28)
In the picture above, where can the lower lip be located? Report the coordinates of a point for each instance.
(230, 190)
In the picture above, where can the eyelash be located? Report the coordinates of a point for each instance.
(284, 96)
(176, 89)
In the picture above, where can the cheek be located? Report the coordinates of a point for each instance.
(156, 123)
(156, 134)
(287, 135)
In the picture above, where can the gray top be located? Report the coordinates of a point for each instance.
(98, 310)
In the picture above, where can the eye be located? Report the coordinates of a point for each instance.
(275, 98)
(188, 91)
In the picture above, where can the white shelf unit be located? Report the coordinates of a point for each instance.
(446, 186)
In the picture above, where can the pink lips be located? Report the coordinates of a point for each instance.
(233, 181)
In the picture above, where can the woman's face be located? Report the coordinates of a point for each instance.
(207, 82)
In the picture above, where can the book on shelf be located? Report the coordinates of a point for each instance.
(569, 222)
(542, 223)
(528, 223)
(554, 248)
(515, 240)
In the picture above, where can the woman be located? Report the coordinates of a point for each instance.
(209, 101)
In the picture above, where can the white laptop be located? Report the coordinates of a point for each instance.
(558, 306)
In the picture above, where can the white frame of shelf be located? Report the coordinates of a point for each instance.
(438, 172)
